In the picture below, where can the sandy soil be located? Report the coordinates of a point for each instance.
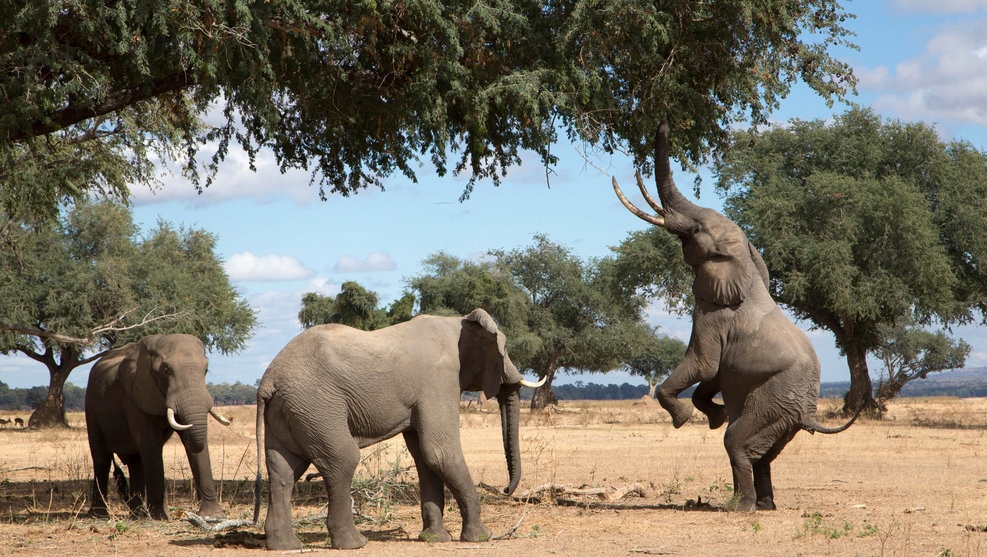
(914, 484)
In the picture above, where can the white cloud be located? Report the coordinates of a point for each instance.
(946, 82)
(247, 266)
(377, 261)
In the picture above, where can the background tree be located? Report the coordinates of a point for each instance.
(909, 353)
(658, 356)
(577, 325)
(76, 287)
(863, 223)
(354, 306)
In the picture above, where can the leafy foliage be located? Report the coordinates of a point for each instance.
(95, 93)
(555, 308)
(910, 353)
(354, 306)
(656, 359)
(76, 287)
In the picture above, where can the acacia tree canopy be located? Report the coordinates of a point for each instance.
(355, 91)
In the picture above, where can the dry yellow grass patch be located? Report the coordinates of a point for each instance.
(914, 484)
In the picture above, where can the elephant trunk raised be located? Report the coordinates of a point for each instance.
(509, 400)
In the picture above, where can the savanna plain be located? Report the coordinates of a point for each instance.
(599, 478)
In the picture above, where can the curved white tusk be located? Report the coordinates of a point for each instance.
(539, 383)
(219, 417)
(174, 423)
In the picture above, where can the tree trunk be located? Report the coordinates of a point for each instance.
(544, 397)
(861, 393)
(51, 411)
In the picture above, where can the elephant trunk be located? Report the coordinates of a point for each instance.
(671, 198)
(509, 400)
(190, 407)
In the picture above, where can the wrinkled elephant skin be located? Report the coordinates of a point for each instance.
(137, 396)
(742, 345)
(333, 390)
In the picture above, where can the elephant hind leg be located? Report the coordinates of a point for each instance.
(337, 473)
(762, 473)
(283, 470)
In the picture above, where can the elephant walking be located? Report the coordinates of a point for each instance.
(137, 396)
(333, 390)
(742, 345)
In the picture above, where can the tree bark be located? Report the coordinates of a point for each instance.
(544, 397)
(51, 411)
(861, 393)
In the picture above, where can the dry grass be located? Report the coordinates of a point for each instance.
(914, 484)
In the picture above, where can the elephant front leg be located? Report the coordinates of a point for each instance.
(444, 455)
(702, 399)
(696, 367)
(151, 476)
(432, 494)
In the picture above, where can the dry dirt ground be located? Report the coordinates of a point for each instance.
(913, 484)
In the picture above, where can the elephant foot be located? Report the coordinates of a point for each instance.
(98, 512)
(211, 510)
(348, 540)
(717, 417)
(766, 504)
(287, 541)
(742, 504)
(476, 534)
(159, 514)
(435, 535)
(680, 416)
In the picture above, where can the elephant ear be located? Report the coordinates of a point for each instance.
(724, 277)
(139, 377)
(762, 269)
(496, 370)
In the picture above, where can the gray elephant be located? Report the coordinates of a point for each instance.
(333, 390)
(742, 345)
(137, 396)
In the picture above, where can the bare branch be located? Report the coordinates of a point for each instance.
(95, 332)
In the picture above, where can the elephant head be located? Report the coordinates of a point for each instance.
(167, 378)
(485, 366)
(725, 263)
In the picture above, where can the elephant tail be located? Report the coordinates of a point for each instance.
(812, 426)
(259, 480)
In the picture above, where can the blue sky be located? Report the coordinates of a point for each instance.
(918, 60)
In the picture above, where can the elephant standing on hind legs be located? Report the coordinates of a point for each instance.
(741, 344)
(333, 390)
(137, 396)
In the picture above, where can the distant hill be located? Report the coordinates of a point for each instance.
(962, 383)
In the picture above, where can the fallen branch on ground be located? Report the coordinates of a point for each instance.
(557, 490)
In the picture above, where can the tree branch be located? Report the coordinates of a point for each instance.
(95, 332)
(112, 102)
